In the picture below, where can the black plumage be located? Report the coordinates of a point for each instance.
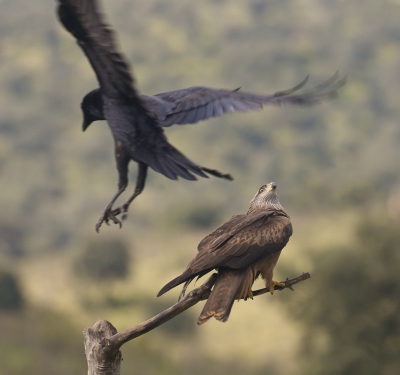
(198, 103)
(243, 248)
(136, 121)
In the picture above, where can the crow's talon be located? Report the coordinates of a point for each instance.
(121, 210)
(116, 211)
(116, 221)
(106, 217)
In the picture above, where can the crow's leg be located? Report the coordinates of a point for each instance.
(122, 159)
(140, 182)
(108, 213)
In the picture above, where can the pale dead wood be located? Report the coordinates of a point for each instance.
(102, 341)
(102, 358)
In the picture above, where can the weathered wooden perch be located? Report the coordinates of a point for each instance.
(102, 358)
(102, 341)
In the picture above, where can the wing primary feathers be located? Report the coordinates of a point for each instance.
(184, 289)
(218, 110)
(191, 116)
(294, 89)
(185, 106)
(187, 275)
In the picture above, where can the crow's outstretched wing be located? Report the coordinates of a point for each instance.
(84, 21)
(194, 104)
(198, 103)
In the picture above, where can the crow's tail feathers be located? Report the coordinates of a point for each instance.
(170, 162)
(216, 173)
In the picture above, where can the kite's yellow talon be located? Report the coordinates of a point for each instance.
(249, 295)
(274, 284)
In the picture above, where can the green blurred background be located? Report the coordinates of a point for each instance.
(336, 166)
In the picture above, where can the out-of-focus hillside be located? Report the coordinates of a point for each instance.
(335, 164)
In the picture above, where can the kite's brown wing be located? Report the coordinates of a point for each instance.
(83, 20)
(229, 229)
(244, 244)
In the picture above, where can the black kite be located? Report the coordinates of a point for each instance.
(243, 248)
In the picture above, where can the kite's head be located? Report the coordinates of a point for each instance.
(265, 197)
(92, 108)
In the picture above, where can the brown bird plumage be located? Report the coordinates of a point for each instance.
(243, 248)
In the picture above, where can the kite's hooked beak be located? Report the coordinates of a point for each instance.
(272, 186)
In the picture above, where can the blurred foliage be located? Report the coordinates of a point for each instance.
(38, 341)
(335, 165)
(351, 312)
(10, 292)
(103, 261)
(179, 328)
(11, 235)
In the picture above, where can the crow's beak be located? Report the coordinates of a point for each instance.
(85, 124)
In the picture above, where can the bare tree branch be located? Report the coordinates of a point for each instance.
(102, 341)
(288, 284)
(199, 294)
(195, 296)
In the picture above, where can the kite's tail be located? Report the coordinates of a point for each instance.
(231, 284)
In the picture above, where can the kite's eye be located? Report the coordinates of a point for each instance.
(261, 190)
